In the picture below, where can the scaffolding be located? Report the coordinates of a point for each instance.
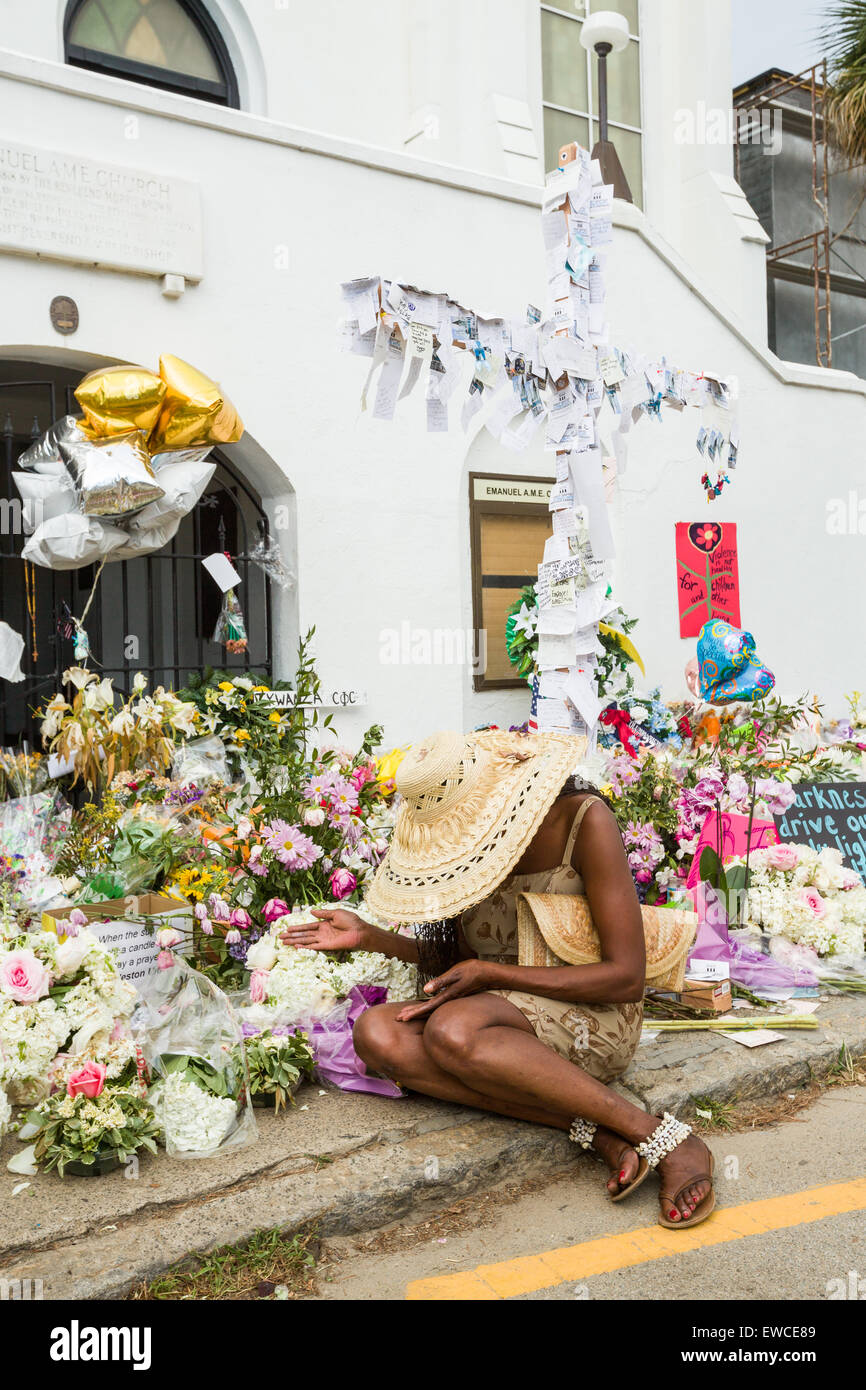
(810, 84)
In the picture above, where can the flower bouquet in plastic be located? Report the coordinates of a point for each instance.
(191, 1042)
(32, 829)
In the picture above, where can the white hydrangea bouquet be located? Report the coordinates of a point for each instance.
(55, 996)
(299, 984)
(809, 897)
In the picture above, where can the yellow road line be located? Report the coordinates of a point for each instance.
(529, 1273)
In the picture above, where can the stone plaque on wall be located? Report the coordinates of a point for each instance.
(71, 208)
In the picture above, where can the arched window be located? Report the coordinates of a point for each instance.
(173, 44)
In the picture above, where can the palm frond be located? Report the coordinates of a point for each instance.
(843, 39)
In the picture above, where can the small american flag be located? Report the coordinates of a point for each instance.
(533, 709)
(64, 623)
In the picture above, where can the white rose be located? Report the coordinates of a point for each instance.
(262, 955)
(71, 952)
(314, 815)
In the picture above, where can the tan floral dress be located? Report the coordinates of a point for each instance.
(600, 1038)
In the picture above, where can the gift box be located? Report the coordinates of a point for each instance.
(714, 995)
(126, 930)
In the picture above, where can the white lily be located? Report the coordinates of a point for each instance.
(123, 723)
(526, 620)
(78, 676)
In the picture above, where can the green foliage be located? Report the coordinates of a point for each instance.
(844, 43)
(70, 1131)
(197, 1070)
(276, 1064)
(763, 744)
(612, 672)
(268, 1265)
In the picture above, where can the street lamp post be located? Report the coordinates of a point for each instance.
(606, 32)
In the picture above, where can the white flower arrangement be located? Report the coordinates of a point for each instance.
(299, 983)
(808, 897)
(193, 1120)
(78, 1020)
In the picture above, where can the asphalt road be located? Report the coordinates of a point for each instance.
(790, 1224)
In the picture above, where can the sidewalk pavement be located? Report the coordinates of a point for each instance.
(351, 1163)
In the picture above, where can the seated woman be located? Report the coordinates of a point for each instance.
(483, 819)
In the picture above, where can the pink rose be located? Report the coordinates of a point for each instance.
(784, 857)
(24, 977)
(167, 937)
(274, 908)
(259, 986)
(811, 898)
(165, 960)
(88, 1080)
(342, 883)
(241, 918)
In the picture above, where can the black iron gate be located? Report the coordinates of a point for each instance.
(156, 614)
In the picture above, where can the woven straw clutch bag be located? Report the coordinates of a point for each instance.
(557, 929)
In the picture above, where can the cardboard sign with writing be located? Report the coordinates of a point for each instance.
(734, 839)
(708, 581)
(135, 948)
(829, 813)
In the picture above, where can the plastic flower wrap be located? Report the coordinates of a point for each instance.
(230, 631)
(22, 773)
(32, 830)
(201, 761)
(190, 1037)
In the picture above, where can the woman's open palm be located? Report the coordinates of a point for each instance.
(336, 930)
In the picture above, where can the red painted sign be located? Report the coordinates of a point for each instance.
(708, 581)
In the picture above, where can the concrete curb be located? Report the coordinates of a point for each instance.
(351, 1163)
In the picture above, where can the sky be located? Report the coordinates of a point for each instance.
(774, 34)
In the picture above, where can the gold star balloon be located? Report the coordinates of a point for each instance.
(118, 399)
(194, 411)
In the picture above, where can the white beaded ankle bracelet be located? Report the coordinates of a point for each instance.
(582, 1132)
(668, 1134)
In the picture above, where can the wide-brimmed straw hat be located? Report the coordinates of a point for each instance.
(470, 806)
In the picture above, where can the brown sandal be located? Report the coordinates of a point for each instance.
(642, 1172)
(582, 1132)
(666, 1137)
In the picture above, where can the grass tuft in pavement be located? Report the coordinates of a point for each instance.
(268, 1265)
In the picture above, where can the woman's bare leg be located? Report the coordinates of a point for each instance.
(397, 1050)
(482, 1051)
